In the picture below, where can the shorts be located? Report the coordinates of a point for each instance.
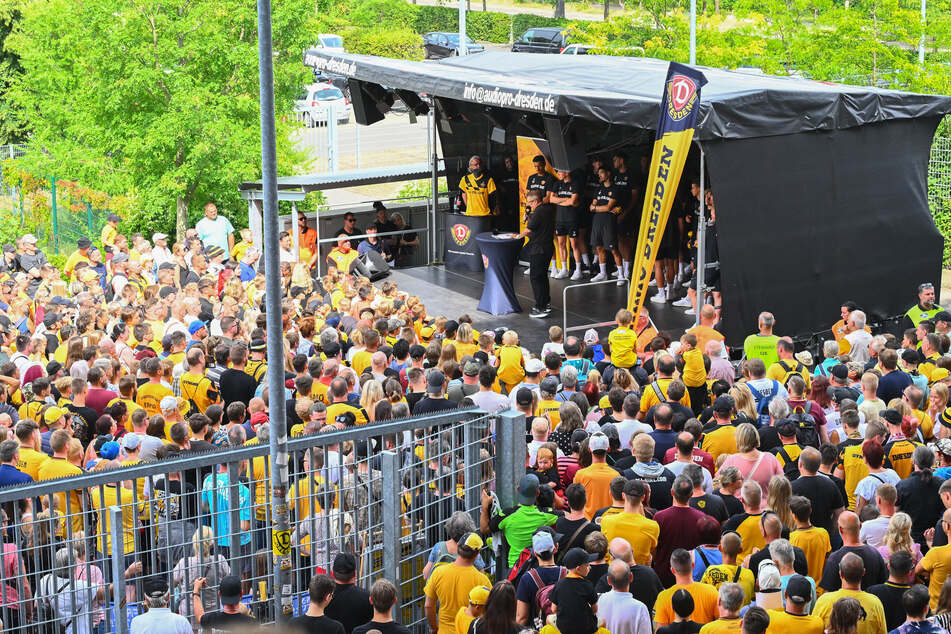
(669, 244)
(604, 230)
(711, 280)
(568, 228)
(628, 227)
(584, 216)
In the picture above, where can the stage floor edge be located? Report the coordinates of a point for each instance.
(454, 293)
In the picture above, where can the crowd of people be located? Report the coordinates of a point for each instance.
(666, 488)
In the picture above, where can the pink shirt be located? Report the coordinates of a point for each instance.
(768, 467)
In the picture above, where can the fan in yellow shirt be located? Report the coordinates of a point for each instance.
(31, 459)
(813, 540)
(794, 619)
(704, 596)
(640, 532)
(476, 608)
(623, 341)
(851, 571)
(729, 571)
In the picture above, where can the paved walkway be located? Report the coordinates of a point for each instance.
(596, 14)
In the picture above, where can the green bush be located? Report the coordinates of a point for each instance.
(386, 42)
(486, 26)
(393, 14)
(430, 18)
(521, 22)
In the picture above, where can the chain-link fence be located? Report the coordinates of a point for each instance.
(81, 548)
(939, 191)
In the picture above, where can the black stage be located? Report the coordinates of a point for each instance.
(453, 293)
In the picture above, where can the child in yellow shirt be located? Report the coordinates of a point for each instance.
(623, 341)
(509, 361)
(694, 373)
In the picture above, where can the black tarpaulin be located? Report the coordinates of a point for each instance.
(626, 91)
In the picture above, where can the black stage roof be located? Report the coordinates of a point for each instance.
(626, 91)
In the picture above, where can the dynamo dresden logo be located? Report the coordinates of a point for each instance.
(460, 233)
(681, 97)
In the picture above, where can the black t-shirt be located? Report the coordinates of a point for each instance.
(825, 498)
(733, 505)
(605, 194)
(314, 625)
(680, 627)
(540, 183)
(919, 498)
(940, 539)
(429, 405)
(433, 511)
(681, 414)
(88, 415)
(414, 397)
(225, 621)
(236, 386)
(562, 189)
(664, 439)
(712, 505)
(645, 584)
(542, 226)
(769, 439)
(875, 569)
(384, 628)
(567, 528)
(623, 186)
(350, 606)
(890, 594)
(574, 598)
(800, 564)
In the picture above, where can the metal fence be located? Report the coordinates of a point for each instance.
(79, 549)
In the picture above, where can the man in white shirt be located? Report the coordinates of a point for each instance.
(215, 230)
(159, 618)
(629, 425)
(858, 338)
(487, 398)
(873, 531)
(622, 613)
(160, 252)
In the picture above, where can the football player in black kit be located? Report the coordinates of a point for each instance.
(566, 195)
(604, 226)
(541, 181)
(585, 217)
(625, 187)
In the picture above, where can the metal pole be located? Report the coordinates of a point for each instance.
(280, 531)
(434, 182)
(118, 572)
(296, 229)
(392, 522)
(332, 141)
(510, 436)
(356, 138)
(921, 42)
(463, 50)
(53, 214)
(693, 32)
(701, 244)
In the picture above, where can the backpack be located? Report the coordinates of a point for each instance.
(762, 402)
(796, 369)
(46, 612)
(526, 561)
(790, 466)
(543, 603)
(806, 434)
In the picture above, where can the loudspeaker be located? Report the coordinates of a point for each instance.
(567, 152)
(377, 265)
(368, 101)
(413, 102)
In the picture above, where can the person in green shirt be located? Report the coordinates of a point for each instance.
(762, 345)
(926, 308)
(518, 525)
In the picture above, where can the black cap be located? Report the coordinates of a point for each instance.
(891, 416)
(577, 557)
(84, 243)
(910, 356)
(165, 291)
(840, 372)
(839, 394)
(332, 349)
(49, 319)
(523, 396)
(155, 587)
(345, 565)
(257, 345)
(798, 590)
(113, 218)
(724, 403)
(230, 590)
(943, 316)
(786, 428)
(53, 367)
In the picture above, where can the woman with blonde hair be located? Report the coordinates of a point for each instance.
(752, 463)
(202, 563)
(778, 493)
(370, 395)
(448, 353)
(898, 537)
(937, 403)
(465, 345)
(745, 404)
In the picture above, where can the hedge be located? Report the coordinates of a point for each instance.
(486, 26)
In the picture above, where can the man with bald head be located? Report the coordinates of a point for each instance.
(622, 613)
(875, 569)
(852, 573)
(644, 585)
(771, 527)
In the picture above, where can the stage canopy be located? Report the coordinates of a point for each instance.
(820, 188)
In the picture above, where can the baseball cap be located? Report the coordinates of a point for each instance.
(591, 336)
(840, 372)
(534, 366)
(786, 428)
(155, 587)
(159, 236)
(472, 541)
(839, 394)
(344, 565)
(109, 450)
(891, 416)
(527, 489)
(257, 345)
(60, 301)
(195, 326)
(29, 237)
(542, 542)
(214, 251)
(131, 441)
(113, 218)
(724, 403)
(524, 396)
(599, 442)
(578, 557)
(550, 384)
(230, 590)
(49, 319)
(9, 248)
(479, 595)
(471, 369)
(84, 243)
(435, 380)
(119, 257)
(53, 414)
(943, 316)
(578, 436)
(53, 367)
(165, 266)
(168, 403)
(798, 589)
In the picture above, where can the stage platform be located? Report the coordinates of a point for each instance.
(453, 293)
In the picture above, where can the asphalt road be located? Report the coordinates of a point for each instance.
(393, 133)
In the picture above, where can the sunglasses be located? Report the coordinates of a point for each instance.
(350, 219)
(925, 286)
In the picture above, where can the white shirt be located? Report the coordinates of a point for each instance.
(874, 530)
(161, 255)
(623, 614)
(490, 401)
(160, 620)
(676, 467)
(514, 392)
(627, 428)
(859, 341)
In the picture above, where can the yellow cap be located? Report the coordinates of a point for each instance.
(472, 541)
(53, 414)
(479, 595)
(938, 374)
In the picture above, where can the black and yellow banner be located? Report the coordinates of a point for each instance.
(678, 115)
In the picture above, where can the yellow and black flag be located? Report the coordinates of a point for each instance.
(678, 115)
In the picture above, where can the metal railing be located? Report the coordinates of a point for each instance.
(564, 307)
(381, 491)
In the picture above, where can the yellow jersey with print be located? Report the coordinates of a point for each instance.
(694, 373)
(782, 622)
(650, 397)
(149, 397)
(477, 191)
(623, 342)
(718, 574)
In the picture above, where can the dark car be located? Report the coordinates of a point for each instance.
(541, 40)
(439, 45)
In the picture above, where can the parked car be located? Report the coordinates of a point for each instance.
(577, 49)
(439, 45)
(329, 42)
(541, 40)
(317, 100)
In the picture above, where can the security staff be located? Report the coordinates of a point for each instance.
(924, 309)
(540, 230)
(478, 190)
(605, 209)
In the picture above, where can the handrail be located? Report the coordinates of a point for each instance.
(564, 307)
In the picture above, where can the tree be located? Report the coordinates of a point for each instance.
(12, 127)
(158, 97)
(559, 8)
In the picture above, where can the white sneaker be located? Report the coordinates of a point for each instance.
(617, 273)
(683, 302)
(621, 281)
(560, 274)
(600, 277)
(576, 275)
(660, 297)
(690, 311)
(527, 271)
(653, 282)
